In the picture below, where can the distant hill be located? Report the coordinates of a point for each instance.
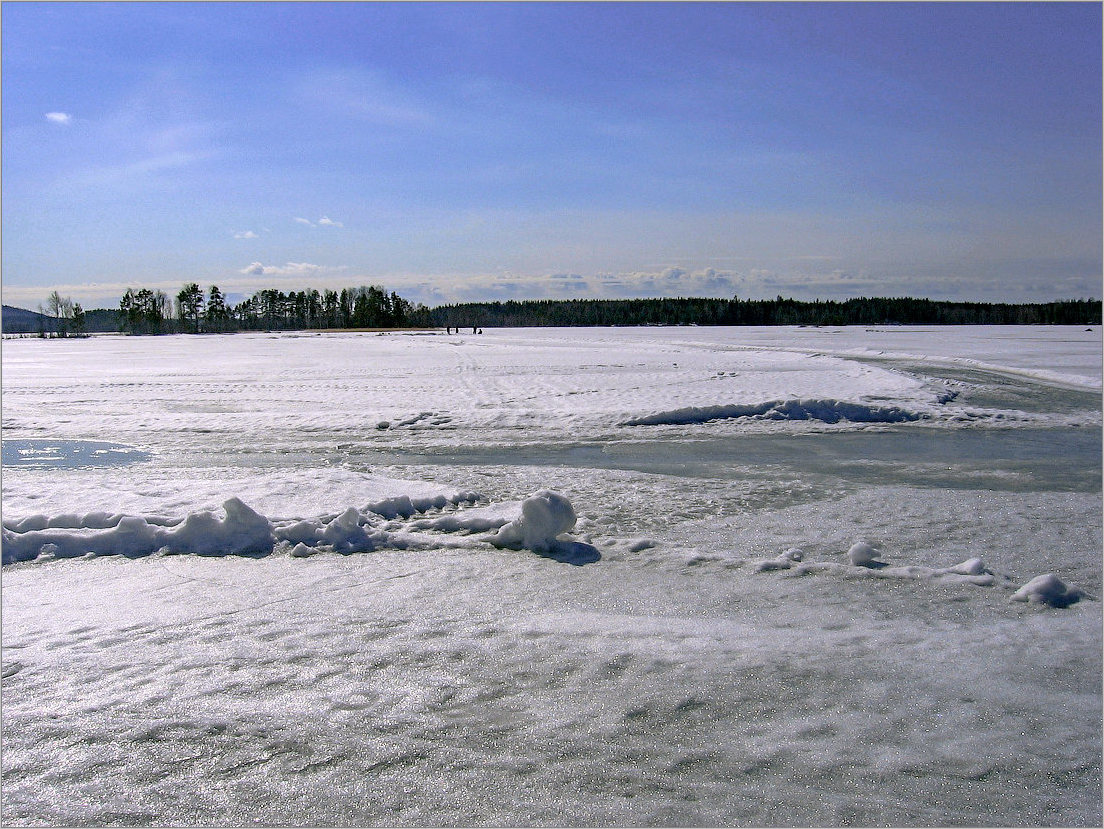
(21, 321)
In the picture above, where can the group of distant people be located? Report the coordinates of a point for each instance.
(449, 329)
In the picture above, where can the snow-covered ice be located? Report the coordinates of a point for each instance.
(587, 577)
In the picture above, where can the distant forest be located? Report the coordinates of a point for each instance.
(192, 311)
(779, 311)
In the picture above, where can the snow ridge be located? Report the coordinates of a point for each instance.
(544, 518)
(240, 531)
(828, 411)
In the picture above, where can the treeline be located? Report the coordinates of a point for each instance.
(778, 311)
(192, 311)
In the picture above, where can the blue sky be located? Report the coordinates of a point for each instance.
(465, 151)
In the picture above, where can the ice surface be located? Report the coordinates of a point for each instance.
(278, 612)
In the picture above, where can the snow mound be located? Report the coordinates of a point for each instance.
(862, 554)
(970, 567)
(827, 411)
(388, 524)
(864, 563)
(241, 531)
(346, 533)
(404, 506)
(1049, 590)
(460, 523)
(544, 516)
(783, 561)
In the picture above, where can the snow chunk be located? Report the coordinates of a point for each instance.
(783, 561)
(405, 506)
(346, 535)
(31, 523)
(862, 554)
(459, 523)
(307, 532)
(970, 567)
(242, 531)
(544, 516)
(1048, 589)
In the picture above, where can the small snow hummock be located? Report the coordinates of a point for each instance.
(864, 562)
(544, 516)
(1050, 590)
(783, 561)
(970, 567)
(862, 554)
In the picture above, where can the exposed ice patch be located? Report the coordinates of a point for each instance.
(41, 453)
(827, 411)
(1050, 590)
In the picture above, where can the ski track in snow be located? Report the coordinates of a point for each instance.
(327, 579)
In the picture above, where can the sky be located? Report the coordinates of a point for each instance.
(466, 151)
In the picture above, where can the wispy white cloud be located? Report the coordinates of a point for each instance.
(301, 269)
(62, 118)
(325, 221)
(137, 172)
(245, 234)
(365, 95)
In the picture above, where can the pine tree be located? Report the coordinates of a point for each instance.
(189, 304)
(217, 314)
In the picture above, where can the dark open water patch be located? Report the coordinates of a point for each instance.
(42, 453)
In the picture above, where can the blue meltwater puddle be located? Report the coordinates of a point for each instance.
(42, 453)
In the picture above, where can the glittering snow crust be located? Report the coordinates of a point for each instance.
(585, 577)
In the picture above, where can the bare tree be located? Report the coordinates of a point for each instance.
(62, 310)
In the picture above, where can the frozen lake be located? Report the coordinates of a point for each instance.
(289, 579)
